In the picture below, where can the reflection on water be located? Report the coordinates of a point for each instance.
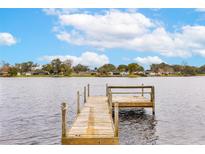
(137, 127)
(30, 109)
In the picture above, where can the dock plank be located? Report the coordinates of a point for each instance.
(131, 101)
(93, 125)
(94, 122)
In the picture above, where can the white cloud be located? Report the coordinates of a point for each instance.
(112, 23)
(113, 29)
(129, 30)
(54, 11)
(200, 10)
(148, 60)
(7, 39)
(90, 59)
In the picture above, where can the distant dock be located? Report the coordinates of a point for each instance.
(94, 123)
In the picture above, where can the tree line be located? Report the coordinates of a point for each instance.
(183, 69)
(65, 68)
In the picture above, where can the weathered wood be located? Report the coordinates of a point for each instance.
(106, 89)
(130, 99)
(116, 119)
(134, 105)
(91, 140)
(153, 101)
(110, 100)
(89, 136)
(64, 119)
(78, 102)
(93, 125)
(133, 101)
(84, 94)
(129, 87)
(130, 92)
(88, 90)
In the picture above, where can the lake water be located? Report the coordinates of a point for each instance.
(30, 110)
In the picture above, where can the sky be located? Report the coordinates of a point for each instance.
(94, 37)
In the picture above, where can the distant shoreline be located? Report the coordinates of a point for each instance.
(92, 76)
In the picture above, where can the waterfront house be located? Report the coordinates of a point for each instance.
(4, 71)
(124, 73)
(18, 73)
(116, 73)
(28, 73)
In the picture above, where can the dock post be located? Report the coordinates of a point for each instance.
(116, 119)
(64, 119)
(142, 90)
(78, 102)
(88, 90)
(84, 94)
(153, 101)
(110, 100)
(106, 89)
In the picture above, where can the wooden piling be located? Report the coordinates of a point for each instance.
(88, 90)
(116, 119)
(108, 97)
(106, 89)
(84, 94)
(64, 119)
(142, 90)
(153, 100)
(78, 102)
(110, 100)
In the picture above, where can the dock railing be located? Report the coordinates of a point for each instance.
(151, 93)
(112, 105)
(86, 99)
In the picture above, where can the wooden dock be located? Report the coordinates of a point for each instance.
(94, 123)
(136, 101)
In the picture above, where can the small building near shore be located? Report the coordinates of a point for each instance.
(18, 73)
(124, 73)
(116, 73)
(28, 73)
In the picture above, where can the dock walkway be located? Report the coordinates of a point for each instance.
(94, 123)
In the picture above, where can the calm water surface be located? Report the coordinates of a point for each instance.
(30, 110)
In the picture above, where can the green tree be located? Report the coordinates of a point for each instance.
(107, 68)
(80, 68)
(178, 68)
(56, 65)
(18, 67)
(65, 69)
(162, 67)
(122, 68)
(202, 69)
(5, 67)
(133, 67)
(12, 71)
(189, 70)
(48, 68)
(25, 66)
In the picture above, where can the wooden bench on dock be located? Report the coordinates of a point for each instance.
(94, 123)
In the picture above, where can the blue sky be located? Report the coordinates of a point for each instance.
(97, 36)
